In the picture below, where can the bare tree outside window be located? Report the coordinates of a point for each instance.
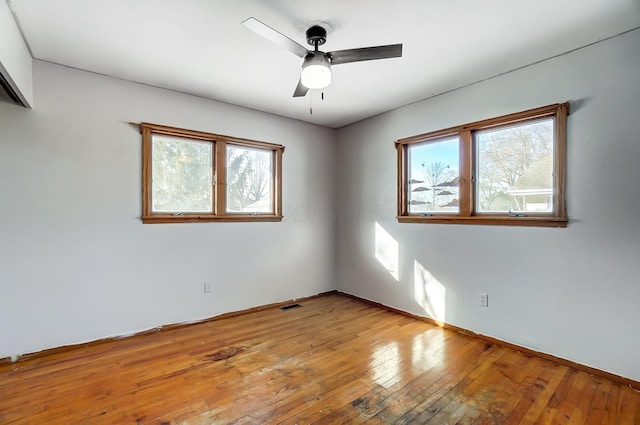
(434, 176)
(515, 168)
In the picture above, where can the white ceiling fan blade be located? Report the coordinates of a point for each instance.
(365, 54)
(301, 90)
(274, 36)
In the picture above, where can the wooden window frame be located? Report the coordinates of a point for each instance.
(467, 213)
(219, 211)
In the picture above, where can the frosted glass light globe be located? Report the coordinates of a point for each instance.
(316, 71)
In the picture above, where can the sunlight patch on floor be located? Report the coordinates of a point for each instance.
(427, 350)
(385, 364)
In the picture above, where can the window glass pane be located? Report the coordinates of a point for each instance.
(515, 168)
(434, 176)
(182, 175)
(249, 180)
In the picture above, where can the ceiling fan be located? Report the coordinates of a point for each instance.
(316, 67)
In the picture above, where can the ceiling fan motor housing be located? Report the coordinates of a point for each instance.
(316, 36)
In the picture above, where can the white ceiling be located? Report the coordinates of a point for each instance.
(200, 47)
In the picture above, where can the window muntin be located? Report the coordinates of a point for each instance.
(188, 176)
(434, 176)
(511, 171)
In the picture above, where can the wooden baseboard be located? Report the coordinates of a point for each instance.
(588, 369)
(66, 348)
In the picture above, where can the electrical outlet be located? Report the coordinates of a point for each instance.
(207, 287)
(484, 300)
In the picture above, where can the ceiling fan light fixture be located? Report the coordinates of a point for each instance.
(316, 71)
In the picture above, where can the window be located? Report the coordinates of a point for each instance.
(508, 170)
(190, 176)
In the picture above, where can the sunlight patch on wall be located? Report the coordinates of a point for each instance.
(387, 251)
(429, 293)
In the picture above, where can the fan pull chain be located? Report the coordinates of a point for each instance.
(311, 100)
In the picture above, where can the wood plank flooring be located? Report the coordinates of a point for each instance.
(335, 360)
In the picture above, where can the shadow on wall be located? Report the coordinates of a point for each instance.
(428, 292)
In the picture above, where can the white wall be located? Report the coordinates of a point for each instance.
(15, 59)
(76, 262)
(571, 292)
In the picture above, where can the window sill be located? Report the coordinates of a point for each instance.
(195, 218)
(487, 220)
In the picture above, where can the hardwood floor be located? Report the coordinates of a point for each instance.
(335, 360)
